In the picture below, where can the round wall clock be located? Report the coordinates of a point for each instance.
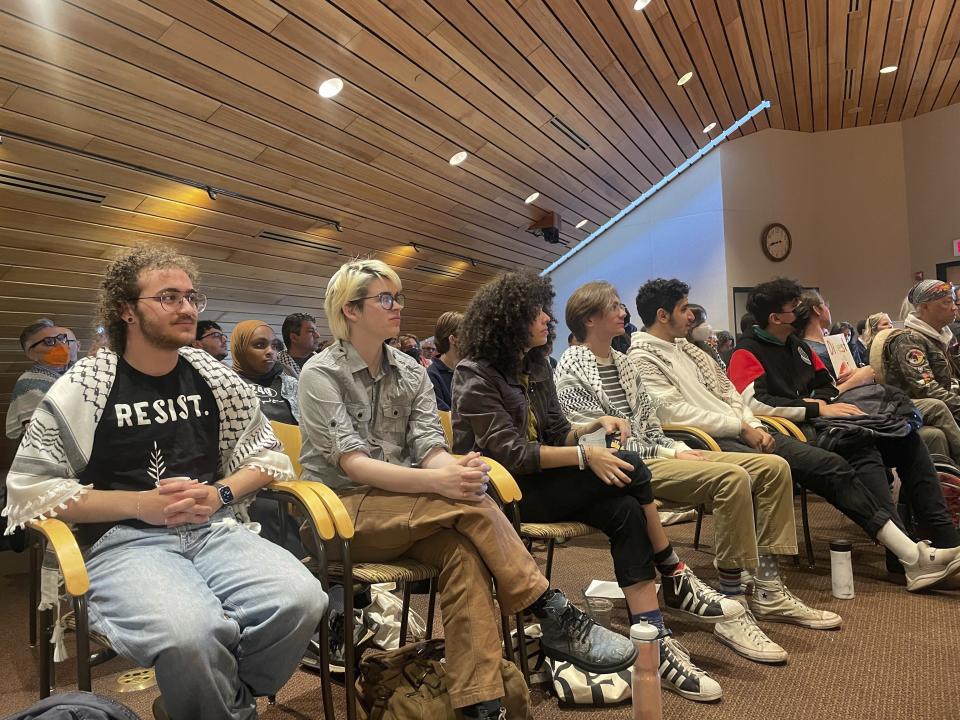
(776, 242)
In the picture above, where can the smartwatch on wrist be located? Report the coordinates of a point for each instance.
(225, 493)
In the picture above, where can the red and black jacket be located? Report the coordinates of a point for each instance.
(780, 379)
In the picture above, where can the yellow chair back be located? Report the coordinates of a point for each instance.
(289, 435)
(447, 423)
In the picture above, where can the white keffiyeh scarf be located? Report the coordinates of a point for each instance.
(59, 441)
(582, 398)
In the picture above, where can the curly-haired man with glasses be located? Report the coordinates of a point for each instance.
(150, 448)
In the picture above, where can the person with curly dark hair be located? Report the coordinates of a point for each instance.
(505, 405)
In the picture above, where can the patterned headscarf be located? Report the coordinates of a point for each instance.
(924, 291)
(239, 340)
(928, 291)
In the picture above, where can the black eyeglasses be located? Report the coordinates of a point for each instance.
(216, 335)
(61, 339)
(172, 300)
(386, 300)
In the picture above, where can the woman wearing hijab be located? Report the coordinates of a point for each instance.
(255, 350)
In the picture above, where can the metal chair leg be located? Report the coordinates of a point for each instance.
(698, 527)
(350, 650)
(45, 653)
(431, 606)
(405, 617)
(83, 643)
(522, 647)
(550, 544)
(507, 641)
(807, 540)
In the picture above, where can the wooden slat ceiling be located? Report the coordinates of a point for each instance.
(225, 94)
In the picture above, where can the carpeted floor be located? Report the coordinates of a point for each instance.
(897, 655)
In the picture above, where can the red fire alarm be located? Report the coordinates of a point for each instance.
(918, 275)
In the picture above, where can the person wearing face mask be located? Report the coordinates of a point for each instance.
(410, 345)
(703, 335)
(255, 350)
(52, 350)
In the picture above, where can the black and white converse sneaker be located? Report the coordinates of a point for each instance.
(678, 674)
(686, 593)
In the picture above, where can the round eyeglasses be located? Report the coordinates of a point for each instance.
(172, 300)
(387, 300)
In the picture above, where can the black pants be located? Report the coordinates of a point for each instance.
(570, 494)
(858, 486)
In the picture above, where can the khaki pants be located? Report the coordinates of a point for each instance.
(752, 499)
(940, 432)
(468, 543)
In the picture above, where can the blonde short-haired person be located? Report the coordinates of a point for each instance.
(751, 494)
(372, 433)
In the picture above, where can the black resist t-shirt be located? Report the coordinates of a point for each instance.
(152, 428)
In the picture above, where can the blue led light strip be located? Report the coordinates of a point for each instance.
(649, 193)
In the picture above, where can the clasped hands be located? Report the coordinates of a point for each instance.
(178, 501)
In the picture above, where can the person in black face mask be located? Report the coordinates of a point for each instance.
(410, 345)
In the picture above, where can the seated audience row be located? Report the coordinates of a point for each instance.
(160, 448)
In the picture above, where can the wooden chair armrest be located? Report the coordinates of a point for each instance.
(60, 539)
(688, 430)
(342, 521)
(503, 482)
(773, 424)
(302, 491)
(788, 426)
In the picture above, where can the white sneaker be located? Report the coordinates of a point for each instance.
(744, 637)
(773, 602)
(932, 566)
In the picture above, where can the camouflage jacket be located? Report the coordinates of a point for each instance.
(919, 365)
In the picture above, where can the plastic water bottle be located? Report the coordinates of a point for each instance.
(841, 569)
(646, 672)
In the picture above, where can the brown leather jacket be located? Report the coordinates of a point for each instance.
(489, 414)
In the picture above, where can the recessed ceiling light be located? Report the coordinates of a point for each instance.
(888, 69)
(640, 4)
(581, 224)
(709, 127)
(685, 78)
(330, 87)
(458, 157)
(532, 197)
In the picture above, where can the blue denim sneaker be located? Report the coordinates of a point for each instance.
(570, 634)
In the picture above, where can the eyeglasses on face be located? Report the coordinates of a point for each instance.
(172, 300)
(216, 335)
(61, 339)
(387, 300)
(617, 307)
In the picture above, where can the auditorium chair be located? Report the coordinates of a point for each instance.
(56, 536)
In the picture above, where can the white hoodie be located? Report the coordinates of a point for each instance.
(673, 379)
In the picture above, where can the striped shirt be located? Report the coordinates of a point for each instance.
(610, 379)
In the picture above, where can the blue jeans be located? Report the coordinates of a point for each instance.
(223, 614)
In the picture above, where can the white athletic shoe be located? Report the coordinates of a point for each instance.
(932, 566)
(773, 602)
(745, 637)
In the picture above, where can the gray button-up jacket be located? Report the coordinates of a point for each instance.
(391, 417)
